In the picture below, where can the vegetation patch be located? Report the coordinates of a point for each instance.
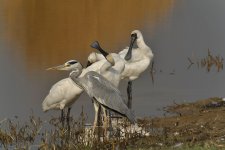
(198, 125)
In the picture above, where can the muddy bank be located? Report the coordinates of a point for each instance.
(198, 125)
(200, 122)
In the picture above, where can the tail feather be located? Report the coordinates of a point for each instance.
(44, 107)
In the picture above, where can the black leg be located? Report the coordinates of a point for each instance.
(62, 117)
(68, 118)
(129, 94)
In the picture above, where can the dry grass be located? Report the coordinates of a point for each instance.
(208, 62)
(197, 125)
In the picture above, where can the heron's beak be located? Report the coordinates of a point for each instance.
(60, 67)
(96, 45)
(129, 52)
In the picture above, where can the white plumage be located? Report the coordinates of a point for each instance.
(141, 58)
(65, 92)
(129, 64)
(62, 94)
(137, 61)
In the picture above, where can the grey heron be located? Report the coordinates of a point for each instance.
(111, 70)
(103, 92)
(137, 60)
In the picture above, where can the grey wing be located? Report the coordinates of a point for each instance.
(106, 94)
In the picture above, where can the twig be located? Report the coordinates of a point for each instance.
(191, 63)
(152, 72)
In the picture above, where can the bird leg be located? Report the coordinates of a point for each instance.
(110, 124)
(107, 125)
(62, 119)
(129, 94)
(68, 118)
(99, 121)
(94, 124)
(105, 121)
(96, 107)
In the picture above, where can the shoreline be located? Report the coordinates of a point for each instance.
(185, 125)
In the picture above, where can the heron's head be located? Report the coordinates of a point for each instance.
(68, 66)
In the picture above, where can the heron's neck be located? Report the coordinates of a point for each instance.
(75, 78)
(78, 70)
(77, 74)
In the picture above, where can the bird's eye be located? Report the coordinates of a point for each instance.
(134, 35)
(72, 62)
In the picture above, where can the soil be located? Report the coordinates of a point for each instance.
(202, 122)
(197, 125)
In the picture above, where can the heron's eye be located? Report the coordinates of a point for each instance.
(72, 62)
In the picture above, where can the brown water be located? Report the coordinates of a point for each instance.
(36, 34)
(50, 32)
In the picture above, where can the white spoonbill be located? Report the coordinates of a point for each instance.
(137, 60)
